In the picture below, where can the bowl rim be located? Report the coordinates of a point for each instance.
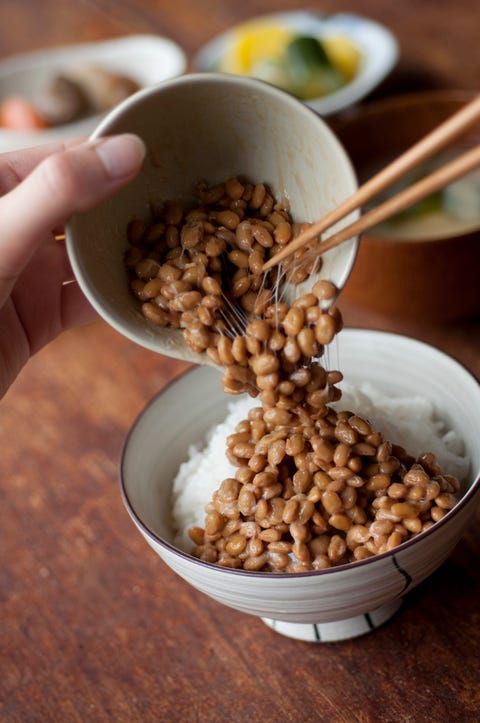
(199, 77)
(472, 490)
(400, 100)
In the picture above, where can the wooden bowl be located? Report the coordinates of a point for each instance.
(436, 278)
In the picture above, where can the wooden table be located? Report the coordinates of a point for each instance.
(94, 627)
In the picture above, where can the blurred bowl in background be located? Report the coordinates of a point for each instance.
(425, 262)
(145, 59)
(356, 54)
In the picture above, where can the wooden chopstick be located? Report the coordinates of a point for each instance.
(437, 139)
(413, 194)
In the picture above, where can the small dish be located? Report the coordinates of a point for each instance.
(334, 604)
(377, 46)
(146, 59)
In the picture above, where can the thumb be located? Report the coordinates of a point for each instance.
(66, 182)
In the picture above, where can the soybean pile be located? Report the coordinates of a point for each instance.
(313, 487)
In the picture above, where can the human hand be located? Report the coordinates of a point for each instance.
(39, 189)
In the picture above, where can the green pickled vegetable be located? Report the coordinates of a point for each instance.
(310, 72)
(305, 54)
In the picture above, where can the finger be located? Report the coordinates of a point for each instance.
(64, 183)
(75, 309)
(46, 298)
(16, 165)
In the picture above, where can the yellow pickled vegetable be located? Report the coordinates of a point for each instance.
(306, 66)
(253, 43)
(342, 54)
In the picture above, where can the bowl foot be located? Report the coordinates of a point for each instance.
(338, 630)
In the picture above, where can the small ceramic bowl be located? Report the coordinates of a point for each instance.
(332, 604)
(206, 126)
(434, 276)
(146, 59)
(376, 45)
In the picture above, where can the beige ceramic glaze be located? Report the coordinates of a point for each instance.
(331, 604)
(207, 126)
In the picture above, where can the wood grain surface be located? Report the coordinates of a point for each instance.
(93, 626)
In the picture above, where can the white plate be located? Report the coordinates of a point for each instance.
(376, 44)
(147, 59)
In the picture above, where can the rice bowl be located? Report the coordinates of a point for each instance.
(331, 603)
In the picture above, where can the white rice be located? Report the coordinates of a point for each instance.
(410, 422)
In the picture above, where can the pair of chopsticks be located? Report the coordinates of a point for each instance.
(438, 139)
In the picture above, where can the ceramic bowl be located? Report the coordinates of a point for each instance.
(209, 126)
(408, 278)
(146, 59)
(377, 46)
(332, 604)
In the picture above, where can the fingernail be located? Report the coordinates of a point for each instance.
(121, 155)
